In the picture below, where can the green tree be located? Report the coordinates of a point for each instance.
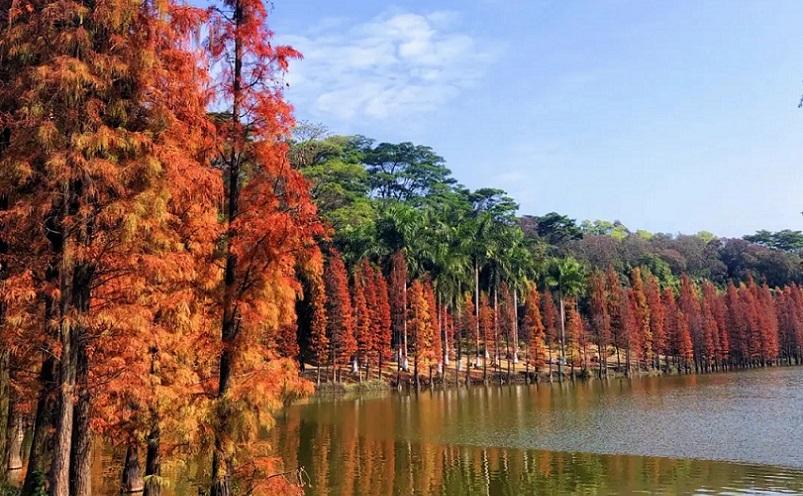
(566, 276)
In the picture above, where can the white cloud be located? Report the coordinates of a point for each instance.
(392, 66)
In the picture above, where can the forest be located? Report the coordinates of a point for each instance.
(180, 259)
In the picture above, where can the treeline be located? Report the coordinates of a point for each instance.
(472, 285)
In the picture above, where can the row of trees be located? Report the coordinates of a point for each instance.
(151, 251)
(649, 300)
(594, 323)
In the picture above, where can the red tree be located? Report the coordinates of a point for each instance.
(380, 309)
(642, 314)
(422, 329)
(534, 330)
(436, 348)
(689, 304)
(712, 350)
(399, 305)
(576, 335)
(657, 319)
(551, 325)
(362, 319)
(339, 312)
(600, 319)
(319, 339)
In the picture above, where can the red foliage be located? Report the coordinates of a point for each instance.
(657, 317)
(642, 315)
(575, 330)
(600, 318)
(339, 312)
(534, 329)
(362, 316)
(381, 316)
(551, 319)
(486, 320)
(319, 339)
(398, 298)
(421, 326)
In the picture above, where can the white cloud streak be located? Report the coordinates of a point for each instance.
(392, 66)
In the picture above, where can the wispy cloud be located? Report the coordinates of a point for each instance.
(391, 66)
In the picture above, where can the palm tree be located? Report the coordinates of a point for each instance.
(520, 270)
(566, 276)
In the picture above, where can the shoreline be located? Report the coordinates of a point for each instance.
(390, 383)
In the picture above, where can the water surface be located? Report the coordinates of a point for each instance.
(720, 433)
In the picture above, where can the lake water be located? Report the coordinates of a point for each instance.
(730, 433)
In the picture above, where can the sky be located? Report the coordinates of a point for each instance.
(667, 116)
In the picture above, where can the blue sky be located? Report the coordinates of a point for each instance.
(667, 116)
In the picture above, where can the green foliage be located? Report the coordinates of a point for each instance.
(378, 199)
(786, 240)
(567, 276)
(11, 491)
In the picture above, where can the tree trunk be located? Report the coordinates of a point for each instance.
(60, 468)
(221, 477)
(13, 451)
(46, 419)
(444, 330)
(497, 357)
(477, 308)
(44, 423)
(562, 357)
(600, 359)
(515, 326)
(81, 449)
(405, 364)
(5, 406)
(153, 462)
(131, 481)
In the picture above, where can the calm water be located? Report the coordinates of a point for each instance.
(715, 434)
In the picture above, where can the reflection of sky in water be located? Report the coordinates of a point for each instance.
(751, 417)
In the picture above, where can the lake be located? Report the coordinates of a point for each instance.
(725, 433)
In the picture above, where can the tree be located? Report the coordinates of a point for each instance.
(786, 240)
(319, 339)
(711, 325)
(642, 315)
(551, 326)
(381, 319)
(534, 330)
(270, 220)
(90, 157)
(657, 320)
(469, 329)
(689, 304)
(685, 346)
(617, 301)
(576, 337)
(554, 228)
(435, 349)
(631, 329)
(567, 277)
(486, 326)
(421, 327)
(600, 318)
(405, 171)
(340, 315)
(398, 306)
(363, 319)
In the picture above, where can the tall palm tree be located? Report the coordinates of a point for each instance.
(566, 276)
